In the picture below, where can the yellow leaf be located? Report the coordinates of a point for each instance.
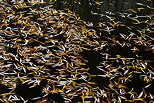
(19, 21)
(131, 92)
(98, 2)
(82, 99)
(139, 9)
(4, 94)
(130, 10)
(111, 4)
(126, 3)
(138, 99)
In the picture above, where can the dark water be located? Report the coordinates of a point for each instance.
(86, 8)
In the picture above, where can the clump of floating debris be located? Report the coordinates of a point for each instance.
(52, 55)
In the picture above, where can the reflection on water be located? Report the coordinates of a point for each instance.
(94, 10)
